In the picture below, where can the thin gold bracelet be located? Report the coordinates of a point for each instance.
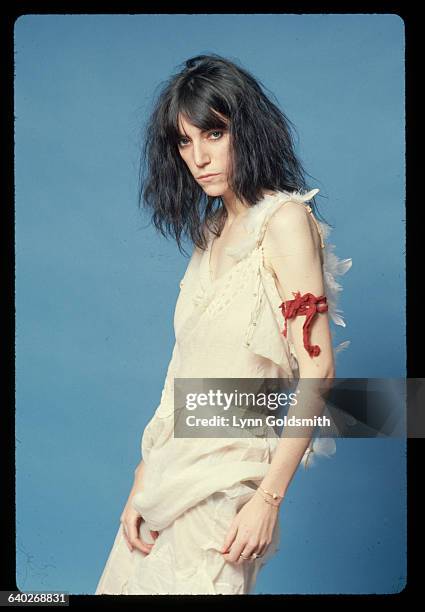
(274, 495)
(271, 503)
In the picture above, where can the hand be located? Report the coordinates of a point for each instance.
(131, 521)
(251, 530)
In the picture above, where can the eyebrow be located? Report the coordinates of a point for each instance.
(202, 132)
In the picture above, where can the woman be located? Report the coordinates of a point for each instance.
(202, 515)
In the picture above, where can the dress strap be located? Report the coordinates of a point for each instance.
(319, 229)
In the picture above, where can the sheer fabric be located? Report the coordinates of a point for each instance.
(229, 327)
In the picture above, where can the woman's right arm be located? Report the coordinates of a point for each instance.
(131, 519)
(138, 472)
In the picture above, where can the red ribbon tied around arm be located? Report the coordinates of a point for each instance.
(309, 305)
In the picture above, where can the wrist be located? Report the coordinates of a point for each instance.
(267, 500)
(271, 490)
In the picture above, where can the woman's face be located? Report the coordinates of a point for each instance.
(206, 153)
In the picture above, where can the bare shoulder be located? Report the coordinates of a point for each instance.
(290, 223)
(286, 219)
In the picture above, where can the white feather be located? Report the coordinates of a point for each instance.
(255, 220)
(255, 224)
(342, 346)
(333, 266)
(320, 447)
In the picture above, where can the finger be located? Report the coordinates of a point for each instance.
(232, 557)
(143, 546)
(231, 535)
(246, 553)
(136, 541)
(154, 533)
(234, 553)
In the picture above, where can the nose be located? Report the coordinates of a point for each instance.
(200, 154)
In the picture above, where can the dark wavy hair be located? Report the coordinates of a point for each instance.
(262, 155)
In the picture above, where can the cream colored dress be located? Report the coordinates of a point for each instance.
(230, 327)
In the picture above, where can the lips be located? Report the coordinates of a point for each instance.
(208, 175)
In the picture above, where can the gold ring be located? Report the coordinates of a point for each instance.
(241, 555)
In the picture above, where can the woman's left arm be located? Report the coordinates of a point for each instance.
(292, 246)
(293, 243)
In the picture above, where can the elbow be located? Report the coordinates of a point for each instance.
(330, 371)
(323, 370)
(323, 374)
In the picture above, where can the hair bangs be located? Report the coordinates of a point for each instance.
(214, 93)
(198, 108)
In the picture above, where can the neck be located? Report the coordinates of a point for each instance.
(236, 208)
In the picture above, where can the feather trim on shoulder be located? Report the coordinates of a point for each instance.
(255, 224)
(257, 216)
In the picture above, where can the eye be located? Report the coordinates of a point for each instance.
(181, 144)
(179, 141)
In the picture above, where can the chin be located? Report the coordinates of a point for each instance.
(213, 191)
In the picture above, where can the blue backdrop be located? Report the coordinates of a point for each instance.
(95, 290)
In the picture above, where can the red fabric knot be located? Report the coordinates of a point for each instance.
(309, 305)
